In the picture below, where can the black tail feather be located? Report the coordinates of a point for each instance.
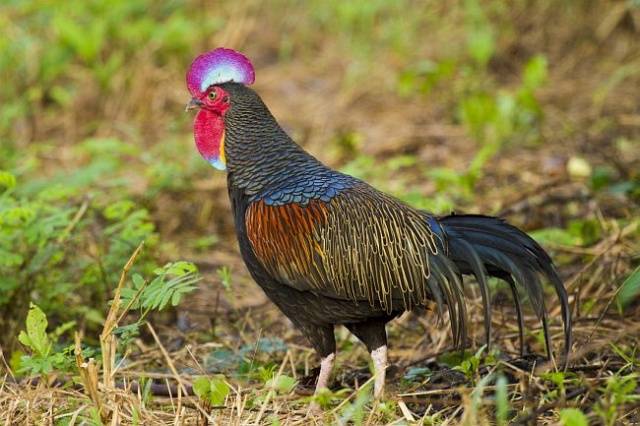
(445, 277)
(483, 245)
(520, 317)
(477, 269)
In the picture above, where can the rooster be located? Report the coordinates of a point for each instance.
(329, 249)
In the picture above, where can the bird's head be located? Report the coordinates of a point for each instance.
(206, 79)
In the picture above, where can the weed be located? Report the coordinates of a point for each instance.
(213, 390)
(618, 391)
(573, 417)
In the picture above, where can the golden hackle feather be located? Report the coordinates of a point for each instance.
(361, 245)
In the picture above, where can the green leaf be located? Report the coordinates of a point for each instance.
(502, 401)
(214, 389)
(7, 180)
(138, 281)
(219, 390)
(535, 72)
(630, 289)
(573, 417)
(224, 273)
(118, 210)
(36, 336)
(282, 384)
(180, 268)
(481, 45)
(61, 329)
(201, 387)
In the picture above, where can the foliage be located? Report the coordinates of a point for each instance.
(36, 336)
(468, 363)
(502, 400)
(96, 38)
(573, 417)
(213, 390)
(619, 390)
(42, 361)
(224, 273)
(282, 384)
(355, 412)
(629, 289)
(171, 283)
(52, 254)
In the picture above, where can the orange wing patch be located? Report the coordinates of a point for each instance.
(285, 239)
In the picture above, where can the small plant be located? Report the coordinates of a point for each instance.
(325, 398)
(44, 358)
(470, 363)
(618, 391)
(629, 290)
(472, 412)
(170, 284)
(573, 417)
(558, 379)
(354, 412)
(212, 390)
(502, 401)
(282, 384)
(51, 237)
(224, 273)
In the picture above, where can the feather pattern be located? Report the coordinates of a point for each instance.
(329, 249)
(362, 245)
(509, 254)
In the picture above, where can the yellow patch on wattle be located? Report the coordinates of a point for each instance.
(221, 149)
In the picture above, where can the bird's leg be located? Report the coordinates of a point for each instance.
(373, 334)
(326, 365)
(379, 357)
(324, 342)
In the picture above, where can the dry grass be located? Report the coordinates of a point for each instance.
(119, 398)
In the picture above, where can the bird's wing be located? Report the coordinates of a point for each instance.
(364, 245)
(361, 245)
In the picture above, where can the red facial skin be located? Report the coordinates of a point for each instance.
(208, 127)
(218, 104)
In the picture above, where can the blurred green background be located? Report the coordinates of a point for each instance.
(473, 105)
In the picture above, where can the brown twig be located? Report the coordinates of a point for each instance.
(172, 367)
(108, 342)
(532, 415)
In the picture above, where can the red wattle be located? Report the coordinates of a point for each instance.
(208, 131)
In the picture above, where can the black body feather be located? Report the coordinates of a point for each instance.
(329, 249)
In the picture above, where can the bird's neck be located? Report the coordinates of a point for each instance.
(259, 153)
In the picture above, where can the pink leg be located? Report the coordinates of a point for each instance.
(379, 357)
(326, 365)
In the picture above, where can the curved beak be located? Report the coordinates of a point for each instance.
(193, 104)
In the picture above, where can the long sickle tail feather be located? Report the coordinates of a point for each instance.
(487, 246)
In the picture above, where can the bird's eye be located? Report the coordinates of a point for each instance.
(212, 95)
